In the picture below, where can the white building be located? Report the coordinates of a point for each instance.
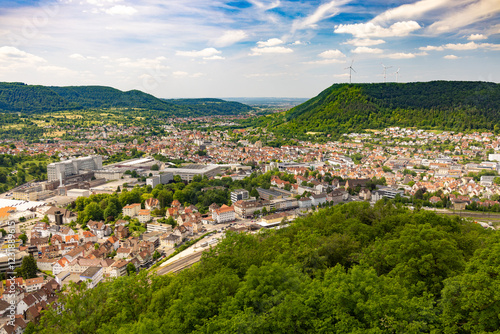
(78, 193)
(93, 275)
(224, 214)
(305, 202)
(144, 216)
(155, 180)
(33, 284)
(166, 228)
(131, 210)
(239, 194)
(63, 169)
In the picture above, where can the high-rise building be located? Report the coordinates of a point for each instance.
(63, 169)
(239, 194)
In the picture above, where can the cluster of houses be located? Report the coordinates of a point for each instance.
(23, 301)
(75, 257)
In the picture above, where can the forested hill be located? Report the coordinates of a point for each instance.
(107, 97)
(351, 268)
(19, 97)
(211, 106)
(344, 108)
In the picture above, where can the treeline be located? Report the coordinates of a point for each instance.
(200, 107)
(347, 108)
(19, 97)
(347, 269)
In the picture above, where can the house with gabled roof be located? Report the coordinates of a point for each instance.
(100, 229)
(151, 204)
(59, 266)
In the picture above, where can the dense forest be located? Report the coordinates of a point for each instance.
(19, 97)
(347, 108)
(207, 106)
(347, 269)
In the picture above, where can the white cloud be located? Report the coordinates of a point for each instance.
(494, 30)
(450, 57)
(10, 54)
(324, 11)
(266, 75)
(330, 54)
(476, 37)
(364, 49)
(365, 42)
(344, 75)
(270, 50)
(490, 46)
(460, 46)
(56, 70)
(142, 63)
(401, 55)
(77, 56)
(205, 53)
(414, 10)
(363, 30)
(431, 48)
(216, 57)
(297, 43)
(230, 37)
(325, 61)
(265, 6)
(101, 3)
(270, 42)
(180, 74)
(121, 10)
(476, 11)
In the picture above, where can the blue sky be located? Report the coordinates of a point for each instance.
(255, 48)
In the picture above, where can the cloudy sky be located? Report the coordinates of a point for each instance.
(254, 48)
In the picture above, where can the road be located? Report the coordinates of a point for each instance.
(180, 264)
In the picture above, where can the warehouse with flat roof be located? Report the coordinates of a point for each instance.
(188, 172)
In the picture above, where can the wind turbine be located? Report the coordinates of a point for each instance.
(385, 69)
(350, 70)
(397, 74)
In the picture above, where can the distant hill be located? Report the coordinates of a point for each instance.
(19, 97)
(211, 106)
(344, 108)
(269, 102)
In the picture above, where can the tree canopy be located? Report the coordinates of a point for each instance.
(346, 269)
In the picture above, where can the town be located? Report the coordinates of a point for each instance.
(110, 208)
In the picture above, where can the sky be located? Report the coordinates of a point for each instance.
(254, 48)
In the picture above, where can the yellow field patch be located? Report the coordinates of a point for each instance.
(73, 116)
(12, 126)
(54, 134)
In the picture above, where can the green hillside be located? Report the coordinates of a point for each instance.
(214, 106)
(344, 108)
(348, 269)
(19, 97)
(107, 97)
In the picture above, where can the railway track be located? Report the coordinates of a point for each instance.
(180, 264)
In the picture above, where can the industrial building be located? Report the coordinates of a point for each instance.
(64, 169)
(188, 172)
(159, 179)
